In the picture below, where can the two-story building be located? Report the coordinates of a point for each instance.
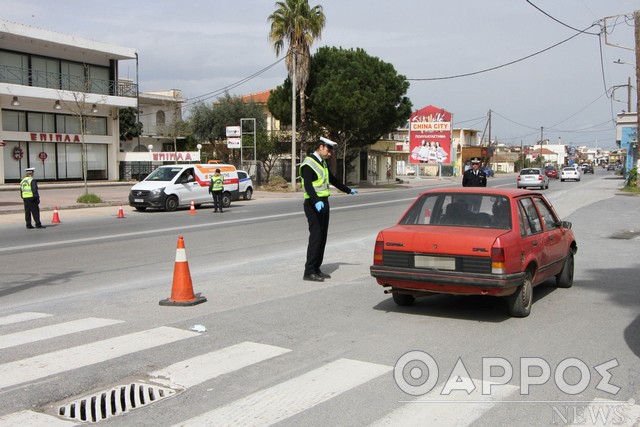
(59, 102)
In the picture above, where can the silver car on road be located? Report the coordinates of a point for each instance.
(533, 177)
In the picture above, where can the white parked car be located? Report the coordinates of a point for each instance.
(246, 185)
(570, 172)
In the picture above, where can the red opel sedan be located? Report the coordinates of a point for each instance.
(475, 241)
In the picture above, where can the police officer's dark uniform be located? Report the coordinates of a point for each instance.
(31, 199)
(216, 186)
(316, 178)
(474, 177)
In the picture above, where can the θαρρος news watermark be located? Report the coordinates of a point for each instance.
(417, 373)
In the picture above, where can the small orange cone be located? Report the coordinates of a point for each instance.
(182, 289)
(120, 212)
(56, 218)
(192, 209)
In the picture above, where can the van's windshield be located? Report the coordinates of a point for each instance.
(163, 174)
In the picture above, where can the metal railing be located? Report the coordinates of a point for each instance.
(59, 81)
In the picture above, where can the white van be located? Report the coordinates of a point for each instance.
(171, 186)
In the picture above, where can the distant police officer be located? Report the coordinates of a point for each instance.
(316, 178)
(474, 177)
(215, 189)
(31, 199)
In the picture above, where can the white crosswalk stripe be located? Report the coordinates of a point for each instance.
(53, 331)
(459, 409)
(42, 366)
(21, 317)
(196, 370)
(291, 397)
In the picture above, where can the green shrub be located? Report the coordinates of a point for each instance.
(89, 198)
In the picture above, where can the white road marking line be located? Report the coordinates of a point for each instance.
(33, 419)
(44, 365)
(21, 317)
(52, 331)
(199, 369)
(456, 409)
(269, 406)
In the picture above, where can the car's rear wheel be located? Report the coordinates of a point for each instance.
(562, 180)
(171, 204)
(403, 299)
(248, 194)
(565, 278)
(520, 302)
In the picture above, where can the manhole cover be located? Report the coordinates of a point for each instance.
(111, 403)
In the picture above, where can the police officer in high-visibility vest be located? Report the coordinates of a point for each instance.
(215, 189)
(31, 199)
(316, 178)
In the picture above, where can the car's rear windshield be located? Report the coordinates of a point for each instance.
(456, 209)
(530, 172)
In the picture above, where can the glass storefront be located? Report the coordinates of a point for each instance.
(54, 161)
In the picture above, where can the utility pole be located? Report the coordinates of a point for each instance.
(293, 122)
(636, 20)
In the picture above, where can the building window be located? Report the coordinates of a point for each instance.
(45, 72)
(15, 121)
(14, 68)
(41, 122)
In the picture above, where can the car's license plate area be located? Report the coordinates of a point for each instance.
(439, 263)
(138, 200)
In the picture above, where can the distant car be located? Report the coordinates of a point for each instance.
(551, 172)
(245, 185)
(570, 173)
(488, 171)
(532, 177)
(475, 241)
(587, 169)
(611, 167)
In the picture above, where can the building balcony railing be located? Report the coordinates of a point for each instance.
(59, 81)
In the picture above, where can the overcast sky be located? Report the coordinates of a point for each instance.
(205, 46)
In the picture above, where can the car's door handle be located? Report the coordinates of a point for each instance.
(535, 243)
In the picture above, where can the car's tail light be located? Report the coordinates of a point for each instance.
(497, 261)
(539, 177)
(377, 251)
(518, 177)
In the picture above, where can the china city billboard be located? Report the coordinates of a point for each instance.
(430, 136)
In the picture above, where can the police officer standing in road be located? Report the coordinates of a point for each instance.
(31, 199)
(215, 189)
(316, 177)
(474, 177)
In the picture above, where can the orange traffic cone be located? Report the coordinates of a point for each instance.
(182, 289)
(120, 212)
(192, 209)
(56, 218)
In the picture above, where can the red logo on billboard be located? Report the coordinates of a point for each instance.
(42, 156)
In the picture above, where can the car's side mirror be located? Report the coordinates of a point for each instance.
(565, 224)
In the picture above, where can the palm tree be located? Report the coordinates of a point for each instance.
(299, 25)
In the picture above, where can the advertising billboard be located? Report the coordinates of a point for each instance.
(430, 136)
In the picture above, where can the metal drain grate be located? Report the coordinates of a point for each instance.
(626, 234)
(111, 403)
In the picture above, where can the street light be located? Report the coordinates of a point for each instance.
(199, 147)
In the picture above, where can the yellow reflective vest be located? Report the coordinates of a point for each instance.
(25, 187)
(321, 184)
(216, 183)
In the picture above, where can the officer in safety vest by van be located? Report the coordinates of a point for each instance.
(216, 186)
(316, 178)
(31, 199)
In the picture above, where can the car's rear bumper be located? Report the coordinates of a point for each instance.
(448, 282)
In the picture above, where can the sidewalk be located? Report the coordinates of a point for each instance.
(64, 196)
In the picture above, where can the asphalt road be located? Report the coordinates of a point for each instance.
(302, 353)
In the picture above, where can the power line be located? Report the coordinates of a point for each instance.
(560, 22)
(503, 65)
